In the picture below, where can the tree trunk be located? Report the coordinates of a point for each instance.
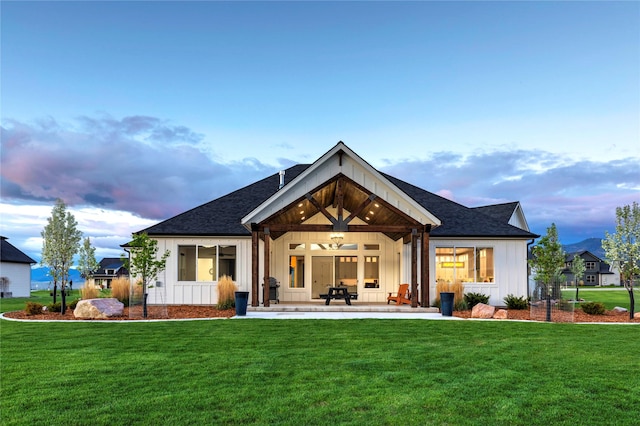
(548, 307)
(55, 290)
(577, 292)
(632, 302)
(144, 305)
(63, 307)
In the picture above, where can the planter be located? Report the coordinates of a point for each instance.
(241, 298)
(446, 303)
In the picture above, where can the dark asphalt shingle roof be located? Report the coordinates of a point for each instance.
(502, 212)
(221, 217)
(9, 253)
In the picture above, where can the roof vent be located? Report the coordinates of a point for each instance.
(281, 179)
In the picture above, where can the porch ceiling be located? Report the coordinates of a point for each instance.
(350, 200)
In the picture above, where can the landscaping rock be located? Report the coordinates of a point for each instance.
(620, 309)
(483, 311)
(98, 308)
(501, 314)
(636, 315)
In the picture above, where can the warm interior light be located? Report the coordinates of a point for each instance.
(337, 238)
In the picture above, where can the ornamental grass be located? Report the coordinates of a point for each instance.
(89, 290)
(456, 288)
(121, 289)
(226, 292)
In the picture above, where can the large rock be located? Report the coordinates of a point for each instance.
(483, 311)
(620, 309)
(98, 308)
(501, 314)
(636, 315)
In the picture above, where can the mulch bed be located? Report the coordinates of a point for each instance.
(190, 311)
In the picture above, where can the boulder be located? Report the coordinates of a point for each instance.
(483, 311)
(620, 309)
(636, 315)
(501, 314)
(98, 308)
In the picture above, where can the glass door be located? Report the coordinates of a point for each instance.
(321, 275)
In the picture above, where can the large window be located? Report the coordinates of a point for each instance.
(371, 271)
(206, 263)
(464, 264)
(296, 271)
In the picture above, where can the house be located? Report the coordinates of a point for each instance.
(597, 272)
(109, 268)
(15, 271)
(339, 221)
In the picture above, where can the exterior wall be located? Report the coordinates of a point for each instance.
(510, 268)
(19, 275)
(174, 292)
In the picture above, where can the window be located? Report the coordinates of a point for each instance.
(591, 279)
(296, 271)
(464, 264)
(371, 271)
(590, 266)
(206, 263)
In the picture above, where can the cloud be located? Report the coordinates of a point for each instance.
(579, 196)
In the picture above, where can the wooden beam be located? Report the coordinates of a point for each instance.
(424, 270)
(340, 197)
(320, 207)
(360, 208)
(414, 269)
(267, 272)
(255, 266)
(289, 227)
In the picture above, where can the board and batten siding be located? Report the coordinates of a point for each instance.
(174, 292)
(510, 268)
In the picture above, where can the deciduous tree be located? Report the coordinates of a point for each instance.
(577, 269)
(548, 261)
(60, 242)
(144, 263)
(622, 248)
(87, 263)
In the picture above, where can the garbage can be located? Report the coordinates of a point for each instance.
(242, 298)
(446, 303)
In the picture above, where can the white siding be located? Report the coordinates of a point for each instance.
(19, 275)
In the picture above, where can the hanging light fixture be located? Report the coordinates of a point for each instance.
(337, 239)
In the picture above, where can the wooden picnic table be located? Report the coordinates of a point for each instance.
(339, 292)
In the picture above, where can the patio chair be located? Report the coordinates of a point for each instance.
(402, 296)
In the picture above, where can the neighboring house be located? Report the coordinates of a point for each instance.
(15, 271)
(109, 268)
(340, 221)
(597, 272)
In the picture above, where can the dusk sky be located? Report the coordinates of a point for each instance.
(133, 112)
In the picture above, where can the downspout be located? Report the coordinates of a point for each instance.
(528, 267)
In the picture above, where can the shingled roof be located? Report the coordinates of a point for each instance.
(222, 216)
(502, 212)
(9, 253)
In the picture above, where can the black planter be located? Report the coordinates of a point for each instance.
(242, 298)
(446, 303)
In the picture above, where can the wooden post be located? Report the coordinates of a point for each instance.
(265, 287)
(424, 270)
(414, 268)
(255, 266)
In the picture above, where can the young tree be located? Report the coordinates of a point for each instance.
(144, 263)
(87, 263)
(548, 261)
(577, 269)
(60, 241)
(623, 248)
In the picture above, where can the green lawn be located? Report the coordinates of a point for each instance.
(609, 297)
(316, 372)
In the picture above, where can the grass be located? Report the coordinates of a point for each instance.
(317, 372)
(610, 298)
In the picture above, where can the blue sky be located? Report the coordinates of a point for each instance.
(135, 111)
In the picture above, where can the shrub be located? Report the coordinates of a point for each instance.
(473, 299)
(89, 290)
(33, 308)
(226, 293)
(593, 308)
(461, 305)
(457, 288)
(73, 304)
(517, 303)
(54, 307)
(121, 290)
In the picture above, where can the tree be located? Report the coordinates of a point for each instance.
(144, 263)
(577, 269)
(623, 248)
(87, 263)
(60, 241)
(548, 261)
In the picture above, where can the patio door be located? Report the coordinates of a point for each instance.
(321, 275)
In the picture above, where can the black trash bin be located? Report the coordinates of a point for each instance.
(242, 298)
(446, 303)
